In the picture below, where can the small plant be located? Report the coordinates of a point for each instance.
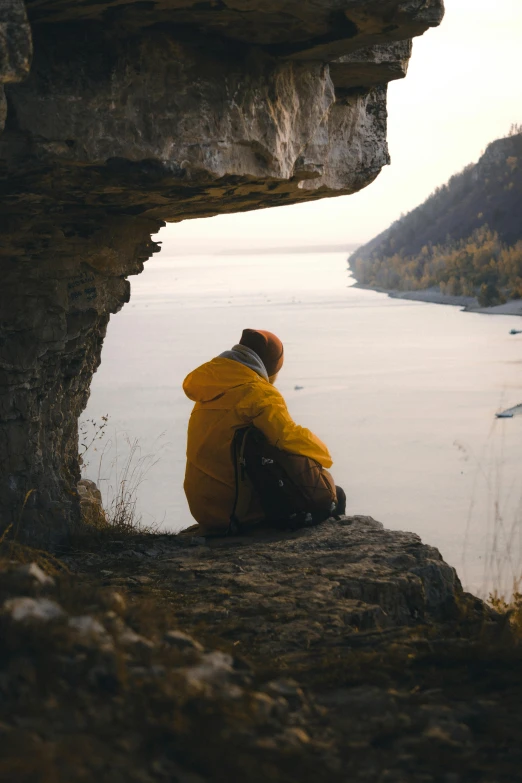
(121, 510)
(90, 432)
(500, 503)
(511, 608)
(515, 129)
(120, 482)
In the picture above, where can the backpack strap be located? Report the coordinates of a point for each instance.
(240, 499)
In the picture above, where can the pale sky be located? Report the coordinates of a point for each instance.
(463, 90)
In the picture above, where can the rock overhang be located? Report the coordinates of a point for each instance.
(286, 99)
(301, 27)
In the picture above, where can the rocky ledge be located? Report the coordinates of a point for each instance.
(342, 652)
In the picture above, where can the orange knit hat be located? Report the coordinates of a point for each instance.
(268, 347)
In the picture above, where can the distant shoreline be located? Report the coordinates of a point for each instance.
(468, 304)
(284, 250)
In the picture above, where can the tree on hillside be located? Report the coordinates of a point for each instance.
(466, 238)
(489, 295)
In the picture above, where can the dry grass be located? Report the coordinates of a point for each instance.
(90, 432)
(121, 509)
(22, 553)
(123, 483)
(120, 483)
(511, 609)
(12, 550)
(496, 499)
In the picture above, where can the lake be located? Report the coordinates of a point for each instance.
(404, 394)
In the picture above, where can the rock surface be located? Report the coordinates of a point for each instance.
(133, 113)
(343, 652)
(284, 592)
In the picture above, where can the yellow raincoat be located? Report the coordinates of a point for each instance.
(229, 395)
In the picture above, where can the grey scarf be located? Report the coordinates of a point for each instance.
(248, 357)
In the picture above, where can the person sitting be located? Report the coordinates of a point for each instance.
(232, 392)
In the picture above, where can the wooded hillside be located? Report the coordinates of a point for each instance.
(465, 239)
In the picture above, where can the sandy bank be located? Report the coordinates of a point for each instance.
(434, 296)
(508, 308)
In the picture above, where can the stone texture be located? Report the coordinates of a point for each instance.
(283, 592)
(134, 113)
(342, 652)
(55, 315)
(25, 609)
(308, 29)
(232, 131)
(367, 67)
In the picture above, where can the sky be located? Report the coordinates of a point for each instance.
(463, 90)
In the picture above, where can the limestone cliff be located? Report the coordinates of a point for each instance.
(120, 115)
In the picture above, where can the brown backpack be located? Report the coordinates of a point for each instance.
(294, 490)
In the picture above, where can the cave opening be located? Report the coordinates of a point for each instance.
(118, 120)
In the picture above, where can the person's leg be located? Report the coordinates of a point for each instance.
(341, 501)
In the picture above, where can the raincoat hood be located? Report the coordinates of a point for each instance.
(247, 356)
(212, 379)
